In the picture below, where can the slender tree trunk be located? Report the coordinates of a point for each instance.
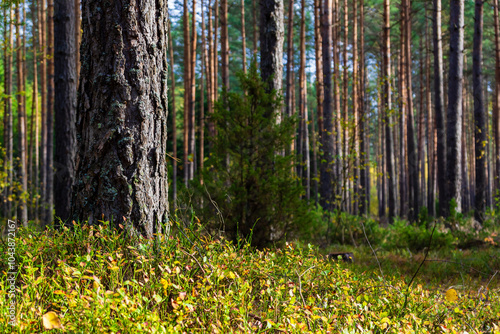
(49, 206)
(243, 37)
(355, 85)
(216, 52)
(345, 165)
(454, 116)
(318, 44)
(42, 24)
(211, 73)
(187, 92)
(35, 181)
(174, 119)
(412, 147)
(121, 164)
(421, 131)
(431, 175)
(8, 117)
(496, 100)
(386, 77)
(480, 128)
(224, 42)
(65, 105)
(192, 101)
(364, 155)
(204, 71)
(402, 82)
(303, 104)
(336, 98)
(439, 109)
(255, 29)
(289, 83)
(326, 136)
(466, 143)
(21, 111)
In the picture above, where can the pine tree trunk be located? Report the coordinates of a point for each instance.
(326, 137)
(303, 104)
(243, 38)
(439, 113)
(210, 72)
(34, 152)
(192, 101)
(454, 113)
(187, 92)
(289, 83)
(480, 133)
(224, 44)
(21, 125)
(65, 105)
(364, 180)
(78, 39)
(412, 147)
(49, 205)
(386, 75)
(431, 174)
(8, 117)
(345, 164)
(496, 100)
(271, 44)
(42, 23)
(255, 29)
(121, 168)
(174, 119)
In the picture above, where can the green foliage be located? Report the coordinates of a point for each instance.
(96, 280)
(247, 181)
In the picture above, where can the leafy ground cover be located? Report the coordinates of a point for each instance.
(95, 280)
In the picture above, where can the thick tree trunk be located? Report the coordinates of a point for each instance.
(271, 44)
(121, 168)
(480, 130)
(386, 84)
(21, 125)
(78, 39)
(65, 105)
(454, 115)
(326, 136)
(439, 109)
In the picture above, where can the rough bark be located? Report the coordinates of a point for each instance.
(65, 105)
(271, 43)
(326, 136)
(122, 116)
(454, 112)
(439, 108)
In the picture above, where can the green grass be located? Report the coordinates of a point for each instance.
(99, 281)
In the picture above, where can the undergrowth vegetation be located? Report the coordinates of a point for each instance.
(96, 279)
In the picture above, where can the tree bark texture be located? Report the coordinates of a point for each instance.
(496, 99)
(454, 113)
(65, 105)
(271, 43)
(122, 115)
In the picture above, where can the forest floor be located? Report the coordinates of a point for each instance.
(93, 280)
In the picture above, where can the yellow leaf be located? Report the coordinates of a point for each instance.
(451, 295)
(51, 320)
